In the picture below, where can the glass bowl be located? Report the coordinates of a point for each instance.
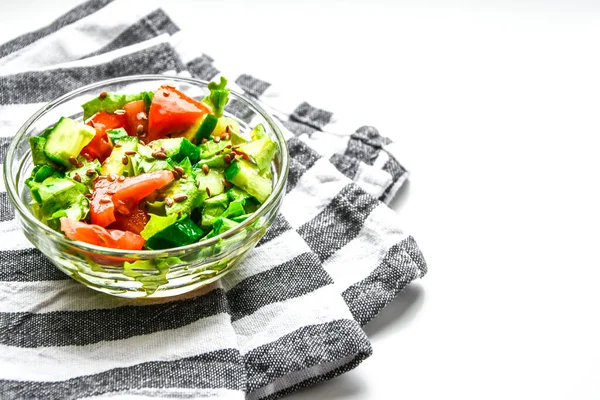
(163, 272)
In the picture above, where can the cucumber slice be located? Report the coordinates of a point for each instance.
(66, 140)
(246, 176)
(114, 163)
(207, 127)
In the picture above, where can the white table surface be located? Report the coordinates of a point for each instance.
(496, 104)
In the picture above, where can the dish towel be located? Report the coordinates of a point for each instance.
(287, 317)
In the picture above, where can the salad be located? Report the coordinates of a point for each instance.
(151, 170)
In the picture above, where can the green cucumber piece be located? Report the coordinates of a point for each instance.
(177, 149)
(261, 151)
(66, 140)
(246, 176)
(114, 163)
(207, 127)
(181, 233)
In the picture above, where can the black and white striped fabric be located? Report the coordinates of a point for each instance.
(289, 316)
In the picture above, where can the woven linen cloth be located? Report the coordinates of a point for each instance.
(288, 316)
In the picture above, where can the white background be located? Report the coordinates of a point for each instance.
(496, 105)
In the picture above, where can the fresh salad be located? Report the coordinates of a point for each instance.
(151, 170)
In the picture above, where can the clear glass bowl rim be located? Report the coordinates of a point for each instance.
(30, 219)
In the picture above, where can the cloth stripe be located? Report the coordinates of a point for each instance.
(43, 86)
(56, 363)
(154, 24)
(304, 348)
(311, 116)
(202, 68)
(279, 226)
(55, 328)
(218, 369)
(400, 266)
(302, 158)
(74, 15)
(4, 143)
(339, 222)
(347, 364)
(276, 320)
(346, 165)
(7, 211)
(274, 285)
(32, 266)
(251, 85)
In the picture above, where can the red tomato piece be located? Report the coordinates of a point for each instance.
(110, 198)
(172, 112)
(136, 115)
(108, 120)
(100, 147)
(94, 234)
(134, 222)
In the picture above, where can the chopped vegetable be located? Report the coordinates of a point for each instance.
(94, 234)
(172, 112)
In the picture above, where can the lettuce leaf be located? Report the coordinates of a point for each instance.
(218, 97)
(157, 224)
(113, 102)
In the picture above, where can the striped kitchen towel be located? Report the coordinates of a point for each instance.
(287, 317)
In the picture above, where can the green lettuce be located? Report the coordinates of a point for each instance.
(157, 224)
(218, 97)
(113, 102)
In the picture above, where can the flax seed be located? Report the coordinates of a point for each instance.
(227, 158)
(130, 152)
(180, 197)
(117, 145)
(228, 146)
(179, 170)
(208, 191)
(204, 140)
(205, 169)
(161, 196)
(102, 95)
(216, 139)
(105, 199)
(125, 160)
(121, 178)
(90, 172)
(77, 177)
(112, 177)
(110, 192)
(140, 129)
(169, 202)
(88, 195)
(160, 155)
(227, 129)
(73, 161)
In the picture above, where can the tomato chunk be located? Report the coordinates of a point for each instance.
(94, 234)
(134, 222)
(172, 112)
(112, 197)
(135, 113)
(100, 147)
